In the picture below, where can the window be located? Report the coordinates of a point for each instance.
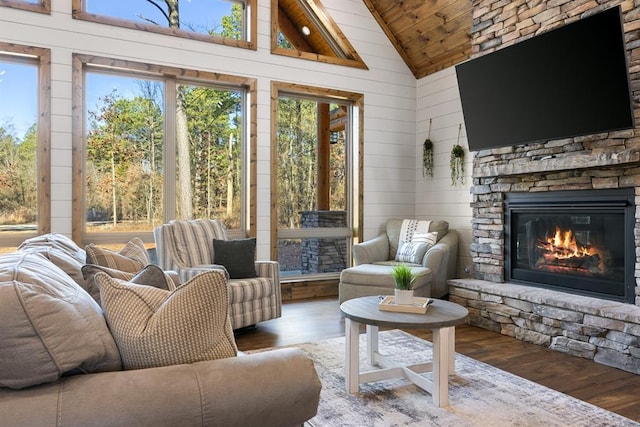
(24, 143)
(228, 22)
(304, 29)
(41, 6)
(158, 144)
(316, 179)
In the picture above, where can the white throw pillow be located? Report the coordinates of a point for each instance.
(413, 251)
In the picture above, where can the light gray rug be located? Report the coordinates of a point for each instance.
(479, 394)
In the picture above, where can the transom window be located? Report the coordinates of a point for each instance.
(41, 6)
(230, 22)
(24, 143)
(159, 144)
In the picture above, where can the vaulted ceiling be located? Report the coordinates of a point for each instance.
(430, 35)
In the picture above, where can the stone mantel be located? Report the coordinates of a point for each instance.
(487, 165)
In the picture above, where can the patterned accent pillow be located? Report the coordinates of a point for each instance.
(428, 238)
(155, 327)
(414, 250)
(132, 258)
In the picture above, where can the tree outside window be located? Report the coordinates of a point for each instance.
(24, 145)
(126, 153)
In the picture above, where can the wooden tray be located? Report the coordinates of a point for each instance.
(419, 305)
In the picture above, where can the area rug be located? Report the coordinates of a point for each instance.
(479, 394)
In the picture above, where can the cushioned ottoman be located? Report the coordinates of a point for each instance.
(372, 279)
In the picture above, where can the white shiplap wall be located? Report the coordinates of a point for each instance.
(438, 99)
(388, 86)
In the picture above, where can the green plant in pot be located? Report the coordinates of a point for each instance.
(403, 277)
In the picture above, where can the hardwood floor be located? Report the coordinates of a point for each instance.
(609, 388)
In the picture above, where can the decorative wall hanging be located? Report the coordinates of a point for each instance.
(427, 155)
(457, 161)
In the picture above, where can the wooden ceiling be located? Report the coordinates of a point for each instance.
(430, 35)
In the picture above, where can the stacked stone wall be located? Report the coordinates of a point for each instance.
(605, 331)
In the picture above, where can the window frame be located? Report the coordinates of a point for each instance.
(171, 76)
(355, 194)
(251, 20)
(325, 20)
(44, 6)
(40, 57)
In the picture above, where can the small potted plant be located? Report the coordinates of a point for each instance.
(403, 277)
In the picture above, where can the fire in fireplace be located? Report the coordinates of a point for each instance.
(576, 241)
(564, 253)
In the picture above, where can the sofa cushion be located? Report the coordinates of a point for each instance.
(151, 275)
(49, 325)
(155, 327)
(131, 258)
(237, 256)
(60, 250)
(56, 241)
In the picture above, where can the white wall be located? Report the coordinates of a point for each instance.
(388, 86)
(438, 99)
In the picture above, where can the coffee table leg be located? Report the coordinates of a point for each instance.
(372, 344)
(352, 355)
(441, 366)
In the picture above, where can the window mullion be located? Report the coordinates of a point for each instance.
(170, 102)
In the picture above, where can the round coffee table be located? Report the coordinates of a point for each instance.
(441, 317)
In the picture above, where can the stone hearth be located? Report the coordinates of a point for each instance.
(605, 331)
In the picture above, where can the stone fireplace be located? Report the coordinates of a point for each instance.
(579, 241)
(508, 293)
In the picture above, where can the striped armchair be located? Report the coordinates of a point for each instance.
(186, 247)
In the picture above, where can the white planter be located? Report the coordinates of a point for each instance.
(403, 297)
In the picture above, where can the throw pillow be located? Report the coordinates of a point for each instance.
(89, 272)
(412, 252)
(155, 327)
(237, 256)
(428, 238)
(151, 275)
(50, 325)
(131, 258)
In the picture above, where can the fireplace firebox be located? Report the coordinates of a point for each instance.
(574, 241)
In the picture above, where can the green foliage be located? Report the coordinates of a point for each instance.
(427, 158)
(403, 276)
(297, 139)
(457, 165)
(18, 181)
(125, 146)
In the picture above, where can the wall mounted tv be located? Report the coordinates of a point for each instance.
(567, 82)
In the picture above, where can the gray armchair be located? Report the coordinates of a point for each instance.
(187, 247)
(374, 258)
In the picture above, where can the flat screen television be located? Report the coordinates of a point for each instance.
(567, 82)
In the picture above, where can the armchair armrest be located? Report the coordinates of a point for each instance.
(370, 251)
(268, 269)
(441, 259)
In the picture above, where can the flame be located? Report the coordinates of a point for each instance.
(566, 240)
